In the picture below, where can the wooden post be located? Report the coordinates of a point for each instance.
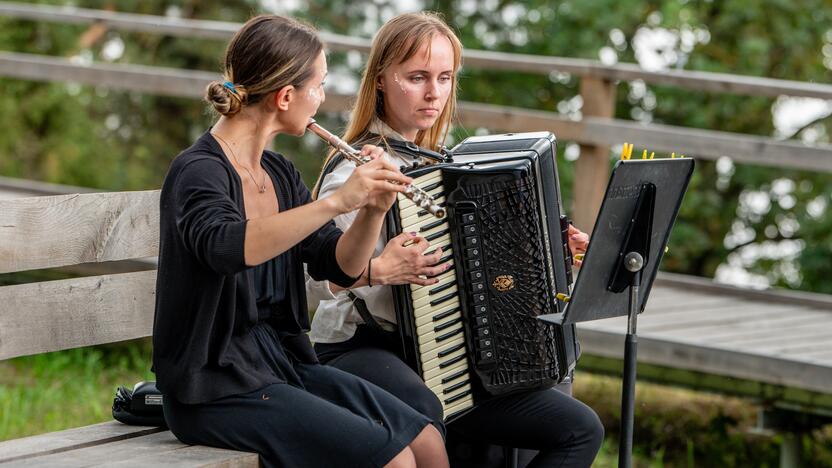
(592, 169)
(790, 450)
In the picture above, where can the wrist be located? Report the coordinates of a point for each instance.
(374, 212)
(376, 268)
(333, 205)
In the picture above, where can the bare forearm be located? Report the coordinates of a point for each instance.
(363, 280)
(357, 244)
(268, 237)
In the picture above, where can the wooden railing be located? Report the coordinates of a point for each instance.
(595, 132)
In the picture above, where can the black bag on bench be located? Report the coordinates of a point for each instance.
(141, 406)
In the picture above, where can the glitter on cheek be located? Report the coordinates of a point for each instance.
(314, 95)
(398, 82)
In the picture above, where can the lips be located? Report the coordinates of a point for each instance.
(429, 111)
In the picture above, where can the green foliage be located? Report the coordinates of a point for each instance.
(682, 428)
(65, 389)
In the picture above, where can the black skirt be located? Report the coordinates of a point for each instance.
(314, 415)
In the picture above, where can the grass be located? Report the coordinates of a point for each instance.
(674, 427)
(54, 391)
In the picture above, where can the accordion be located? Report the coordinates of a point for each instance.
(475, 333)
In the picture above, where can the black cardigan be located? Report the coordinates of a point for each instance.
(205, 299)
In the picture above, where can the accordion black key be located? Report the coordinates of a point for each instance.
(475, 333)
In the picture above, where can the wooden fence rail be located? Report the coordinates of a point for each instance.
(705, 144)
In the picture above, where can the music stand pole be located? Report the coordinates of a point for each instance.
(625, 251)
(634, 263)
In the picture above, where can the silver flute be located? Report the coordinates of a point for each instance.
(418, 196)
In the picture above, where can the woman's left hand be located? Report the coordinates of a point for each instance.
(578, 242)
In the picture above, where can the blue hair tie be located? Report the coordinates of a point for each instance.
(230, 86)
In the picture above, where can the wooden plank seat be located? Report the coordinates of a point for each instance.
(92, 228)
(116, 444)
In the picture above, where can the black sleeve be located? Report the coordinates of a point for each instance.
(208, 220)
(318, 249)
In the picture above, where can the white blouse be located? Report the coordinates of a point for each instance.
(335, 317)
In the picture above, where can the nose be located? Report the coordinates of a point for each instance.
(433, 91)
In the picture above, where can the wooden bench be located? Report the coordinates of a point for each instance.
(77, 229)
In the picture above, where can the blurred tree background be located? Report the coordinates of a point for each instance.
(740, 223)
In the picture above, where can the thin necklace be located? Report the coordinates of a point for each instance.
(260, 187)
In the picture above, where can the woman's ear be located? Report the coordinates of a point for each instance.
(283, 97)
(379, 85)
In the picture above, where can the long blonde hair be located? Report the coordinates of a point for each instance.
(396, 42)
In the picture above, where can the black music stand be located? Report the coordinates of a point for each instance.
(641, 203)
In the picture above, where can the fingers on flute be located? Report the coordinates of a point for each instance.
(374, 152)
(392, 175)
(390, 166)
(386, 186)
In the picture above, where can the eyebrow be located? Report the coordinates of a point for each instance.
(427, 72)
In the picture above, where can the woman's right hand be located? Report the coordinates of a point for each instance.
(373, 179)
(403, 261)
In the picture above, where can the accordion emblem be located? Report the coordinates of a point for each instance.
(503, 283)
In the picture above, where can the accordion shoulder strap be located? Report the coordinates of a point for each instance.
(405, 147)
(364, 312)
